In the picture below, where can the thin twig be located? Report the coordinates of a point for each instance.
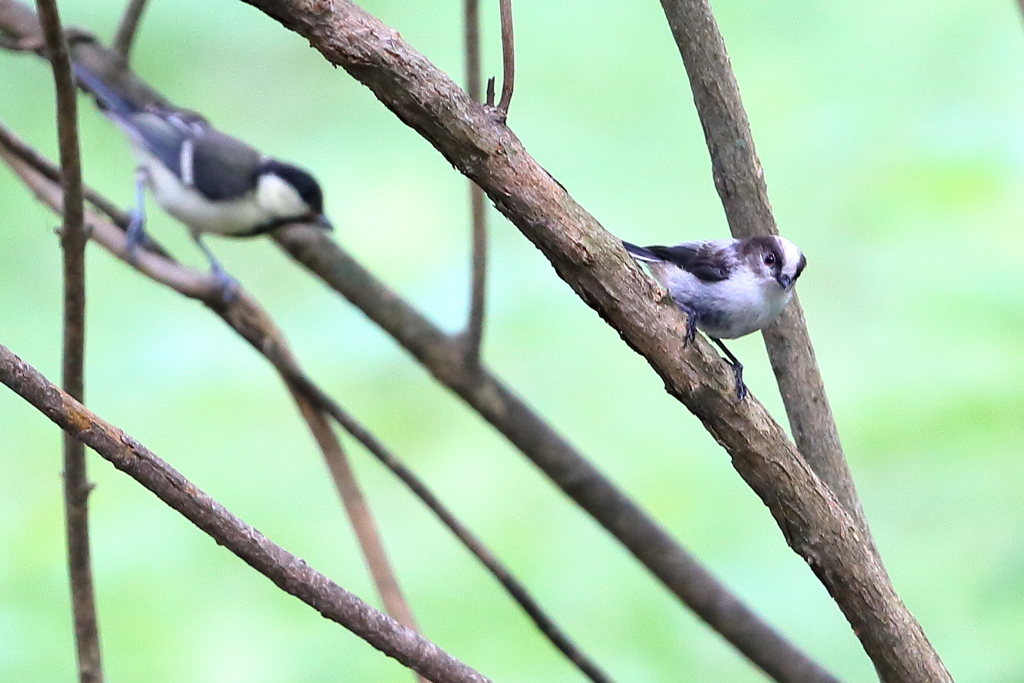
(290, 573)
(73, 240)
(508, 56)
(740, 181)
(126, 30)
(254, 326)
(478, 214)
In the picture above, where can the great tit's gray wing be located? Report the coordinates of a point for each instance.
(223, 167)
(707, 261)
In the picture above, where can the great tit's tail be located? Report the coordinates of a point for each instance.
(107, 96)
(640, 253)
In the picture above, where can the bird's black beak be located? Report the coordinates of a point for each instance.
(785, 281)
(322, 223)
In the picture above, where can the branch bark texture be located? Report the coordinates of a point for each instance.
(287, 571)
(739, 179)
(592, 261)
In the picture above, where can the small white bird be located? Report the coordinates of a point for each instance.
(728, 288)
(211, 182)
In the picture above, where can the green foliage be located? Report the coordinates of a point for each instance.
(891, 138)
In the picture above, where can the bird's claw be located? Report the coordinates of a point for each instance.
(226, 285)
(134, 236)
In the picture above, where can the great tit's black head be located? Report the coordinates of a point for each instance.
(773, 258)
(291, 192)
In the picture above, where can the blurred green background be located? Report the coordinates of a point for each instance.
(892, 138)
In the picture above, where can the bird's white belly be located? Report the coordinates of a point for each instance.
(200, 214)
(728, 309)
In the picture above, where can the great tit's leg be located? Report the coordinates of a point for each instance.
(137, 216)
(737, 368)
(228, 285)
(691, 323)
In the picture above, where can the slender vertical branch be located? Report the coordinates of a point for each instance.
(129, 26)
(73, 239)
(739, 178)
(478, 214)
(508, 56)
(358, 511)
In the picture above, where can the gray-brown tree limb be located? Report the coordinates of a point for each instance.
(739, 179)
(287, 571)
(593, 263)
(73, 240)
(252, 324)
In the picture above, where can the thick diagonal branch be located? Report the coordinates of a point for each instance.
(593, 263)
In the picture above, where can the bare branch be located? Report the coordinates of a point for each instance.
(508, 56)
(254, 326)
(129, 26)
(73, 240)
(287, 571)
(740, 181)
(593, 262)
(478, 214)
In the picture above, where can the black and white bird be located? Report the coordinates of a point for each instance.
(728, 288)
(210, 181)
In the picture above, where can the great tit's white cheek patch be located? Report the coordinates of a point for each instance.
(279, 197)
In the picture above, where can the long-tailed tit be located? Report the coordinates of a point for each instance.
(728, 288)
(211, 182)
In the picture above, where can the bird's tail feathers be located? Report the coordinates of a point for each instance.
(640, 253)
(108, 98)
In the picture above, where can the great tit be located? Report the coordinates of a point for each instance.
(210, 181)
(728, 288)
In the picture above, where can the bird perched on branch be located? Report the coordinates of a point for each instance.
(728, 288)
(210, 181)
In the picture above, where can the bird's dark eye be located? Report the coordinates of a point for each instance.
(769, 259)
